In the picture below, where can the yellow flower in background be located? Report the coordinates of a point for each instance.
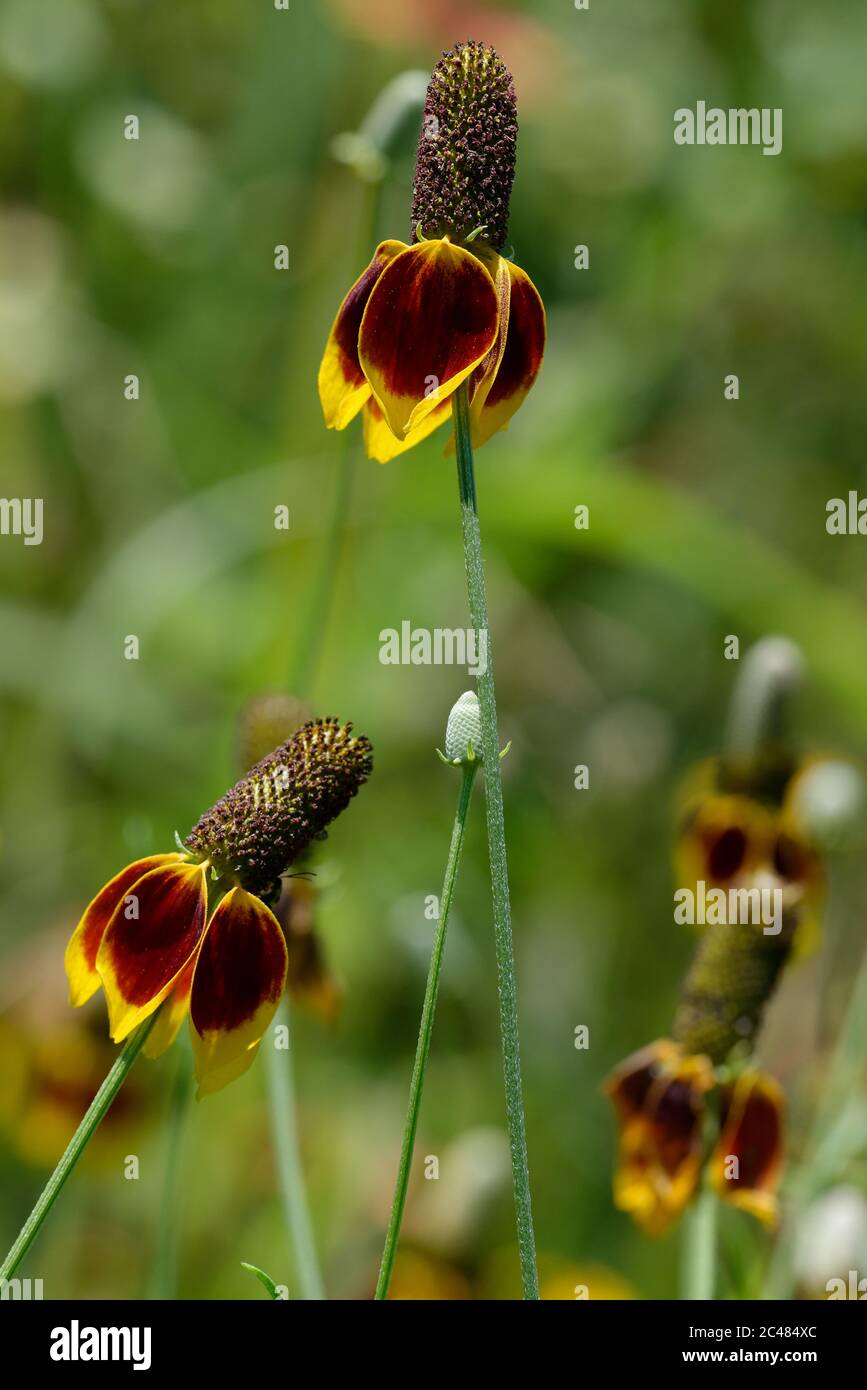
(741, 825)
(659, 1095)
(424, 318)
(666, 1101)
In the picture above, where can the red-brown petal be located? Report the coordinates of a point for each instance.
(151, 936)
(343, 387)
(431, 319)
(85, 941)
(502, 391)
(239, 978)
(751, 1133)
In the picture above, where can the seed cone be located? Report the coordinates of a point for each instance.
(733, 975)
(269, 818)
(466, 151)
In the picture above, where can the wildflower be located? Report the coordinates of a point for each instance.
(193, 931)
(424, 317)
(742, 824)
(745, 1165)
(667, 1099)
(659, 1094)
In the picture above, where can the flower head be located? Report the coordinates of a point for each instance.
(423, 319)
(193, 931)
(465, 164)
(745, 1165)
(670, 1103)
(659, 1095)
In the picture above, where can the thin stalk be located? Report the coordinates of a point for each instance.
(699, 1247)
(96, 1112)
(296, 1211)
(422, 1051)
(496, 848)
(281, 1084)
(163, 1283)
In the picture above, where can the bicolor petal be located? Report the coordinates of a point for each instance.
(85, 941)
(505, 381)
(343, 387)
(747, 1160)
(431, 318)
(237, 984)
(659, 1094)
(173, 1011)
(151, 936)
(382, 445)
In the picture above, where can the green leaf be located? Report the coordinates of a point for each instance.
(265, 1279)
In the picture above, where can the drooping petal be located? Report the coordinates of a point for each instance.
(238, 980)
(84, 943)
(659, 1094)
(748, 1157)
(382, 445)
(343, 387)
(174, 1010)
(150, 938)
(506, 380)
(431, 319)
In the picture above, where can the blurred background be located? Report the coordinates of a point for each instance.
(707, 518)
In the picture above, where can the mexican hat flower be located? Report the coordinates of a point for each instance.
(448, 307)
(741, 825)
(192, 933)
(666, 1100)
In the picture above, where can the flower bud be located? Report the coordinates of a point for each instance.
(464, 727)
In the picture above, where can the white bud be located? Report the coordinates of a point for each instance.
(464, 727)
(829, 802)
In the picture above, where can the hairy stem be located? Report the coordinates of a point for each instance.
(496, 847)
(422, 1051)
(96, 1112)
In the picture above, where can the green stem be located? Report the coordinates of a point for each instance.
(163, 1281)
(699, 1247)
(281, 1085)
(496, 848)
(97, 1110)
(425, 1031)
(296, 1212)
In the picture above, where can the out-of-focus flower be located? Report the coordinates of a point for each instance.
(53, 1064)
(151, 937)
(832, 1239)
(422, 1278)
(309, 980)
(560, 1279)
(746, 1162)
(741, 824)
(663, 1095)
(424, 318)
(659, 1094)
